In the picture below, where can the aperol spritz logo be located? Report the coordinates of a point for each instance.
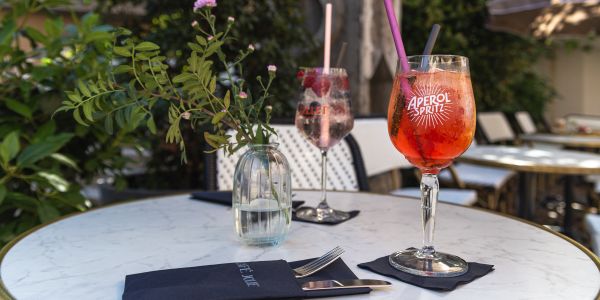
(430, 105)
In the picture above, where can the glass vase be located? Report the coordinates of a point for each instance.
(262, 193)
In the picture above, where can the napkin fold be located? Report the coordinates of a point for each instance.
(382, 266)
(225, 197)
(353, 213)
(235, 281)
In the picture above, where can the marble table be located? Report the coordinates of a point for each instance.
(87, 256)
(563, 140)
(531, 160)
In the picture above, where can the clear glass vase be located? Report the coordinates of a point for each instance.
(262, 193)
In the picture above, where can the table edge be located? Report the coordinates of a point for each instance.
(5, 294)
(585, 144)
(532, 169)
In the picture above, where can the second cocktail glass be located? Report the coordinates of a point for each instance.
(431, 120)
(324, 117)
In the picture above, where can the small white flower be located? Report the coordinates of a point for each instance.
(268, 108)
(186, 115)
(251, 47)
(272, 68)
(230, 19)
(195, 23)
(243, 95)
(210, 37)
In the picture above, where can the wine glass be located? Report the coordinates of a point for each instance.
(431, 120)
(324, 117)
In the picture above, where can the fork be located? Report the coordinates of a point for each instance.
(319, 263)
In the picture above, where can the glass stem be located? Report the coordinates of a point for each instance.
(323, 204)
(429, 196)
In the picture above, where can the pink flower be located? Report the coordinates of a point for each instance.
(210, 37)
(243, 95)
(202, 3)
(272, 68)
(251, 48)
(195, 23)
(186, 115)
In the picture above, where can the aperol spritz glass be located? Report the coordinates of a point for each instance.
(431, 120)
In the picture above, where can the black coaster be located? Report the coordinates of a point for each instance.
(383, 267)
(353, 213)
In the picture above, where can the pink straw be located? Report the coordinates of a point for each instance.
(389, 8)
(327, 48)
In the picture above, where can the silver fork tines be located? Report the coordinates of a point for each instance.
(319, 263)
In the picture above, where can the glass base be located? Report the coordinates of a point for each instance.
(427, 262)
(320, 215)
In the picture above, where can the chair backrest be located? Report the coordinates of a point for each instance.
(525, 122)
(345, 168)
(378, 152)
(577, 120)
(495, 127)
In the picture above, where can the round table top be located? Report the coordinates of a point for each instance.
(88, 255)
(527, 159)
(562, 139)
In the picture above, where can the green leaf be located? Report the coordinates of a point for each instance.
(183, 77)
(10, 147)
(84, 89)
(6, 33)
(218, 116)
(65, 161)
(212, 48)
(73, 198)
(227, 100)
(201, 40)
(34, 152)
(146, 46)
(19, 108)
(74, 96)
(55, 180)
(195, 47)
(122, 51)
(108, 124)
(87, 110)
(2, 193)
(47, 212)
(151, 125)
(122, 69)
(44, 131)
(213, 84)
(77, 117)
(36, 35)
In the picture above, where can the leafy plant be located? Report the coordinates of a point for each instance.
(126, 95)
(44, 160)
(501, 64)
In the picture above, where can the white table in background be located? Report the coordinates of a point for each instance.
(566, 140)
(531, 160)
(87, 256)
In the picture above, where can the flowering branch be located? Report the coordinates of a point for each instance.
(197, 95)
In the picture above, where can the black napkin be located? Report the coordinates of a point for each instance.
(224, 197)
(235, 281)
(383, 267)
(353, 213)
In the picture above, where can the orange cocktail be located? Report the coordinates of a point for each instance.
(435, 121)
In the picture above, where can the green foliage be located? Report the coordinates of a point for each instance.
(275, 27)
(192, 95)
(43, 160)
(501, 64)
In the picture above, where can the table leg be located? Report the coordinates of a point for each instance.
(526, 203)
(569, 196)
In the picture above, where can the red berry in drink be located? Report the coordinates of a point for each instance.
(321, 86)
